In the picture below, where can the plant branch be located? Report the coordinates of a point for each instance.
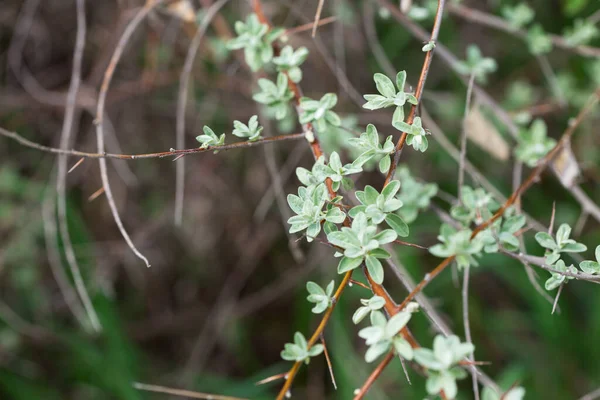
(374, 375)
(315, 336)
(533, 177)
(75, 153)
(181, 392)
(182, 97)
(483, 18)
(420, 86)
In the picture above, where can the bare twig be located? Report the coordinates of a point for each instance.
(374, 375)
(316, 335)
(329, 365)
(75, 153)
(181, 392)
(463, 139)
(591, 395)
(309, 26)
(184, 83)
(61, 179)
(467, 326)
(317, 17)
(17, 323)
(560, 288)
(271, 379)
(123, 40)
(498, 23)
(374, 44)
(51, 241)
(587, 204)
(540, 262)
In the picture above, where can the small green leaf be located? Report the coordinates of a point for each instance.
(375, 269)
(397, 224)
(347, 264)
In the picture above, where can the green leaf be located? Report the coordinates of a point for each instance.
(384, 164)
(375, 269)
(396, 323)
(397, 224)
(313, 288)
(384, 85)
(545, 240)
(376, 350)
(360, 314)
(386, 236)
(590, 267)
(427, 359)
(347, 264)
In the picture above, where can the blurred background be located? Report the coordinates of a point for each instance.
(226, 289)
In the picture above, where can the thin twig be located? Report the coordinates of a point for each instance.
(463, 139)
(329, 365)
(467, 326)
(452, 61)
(374, 44)
(123, 40)
(51, 242)
(271, 379)
(316, 335)
(61, 179)
(540, 262)
(359, 283)
(587, 204)
(498, 23)
(317, 17)
(181, 392)
(374, 375)
(560, 288)
(184, 83)
(309, 26)
(75, 153)
(591, 396)
(550, 76)
(419, 90)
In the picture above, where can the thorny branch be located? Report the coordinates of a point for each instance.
(533, 177)
(418, 91)
(163, 154)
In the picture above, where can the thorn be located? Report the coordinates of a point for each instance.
(77, 164)
(95, 195)
(272, 378)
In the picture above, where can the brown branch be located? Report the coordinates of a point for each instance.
(308, 129)
(533, 177)
(420, 87)
(316, 335)
(374, 375)
(28, 143)
(377, 289)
